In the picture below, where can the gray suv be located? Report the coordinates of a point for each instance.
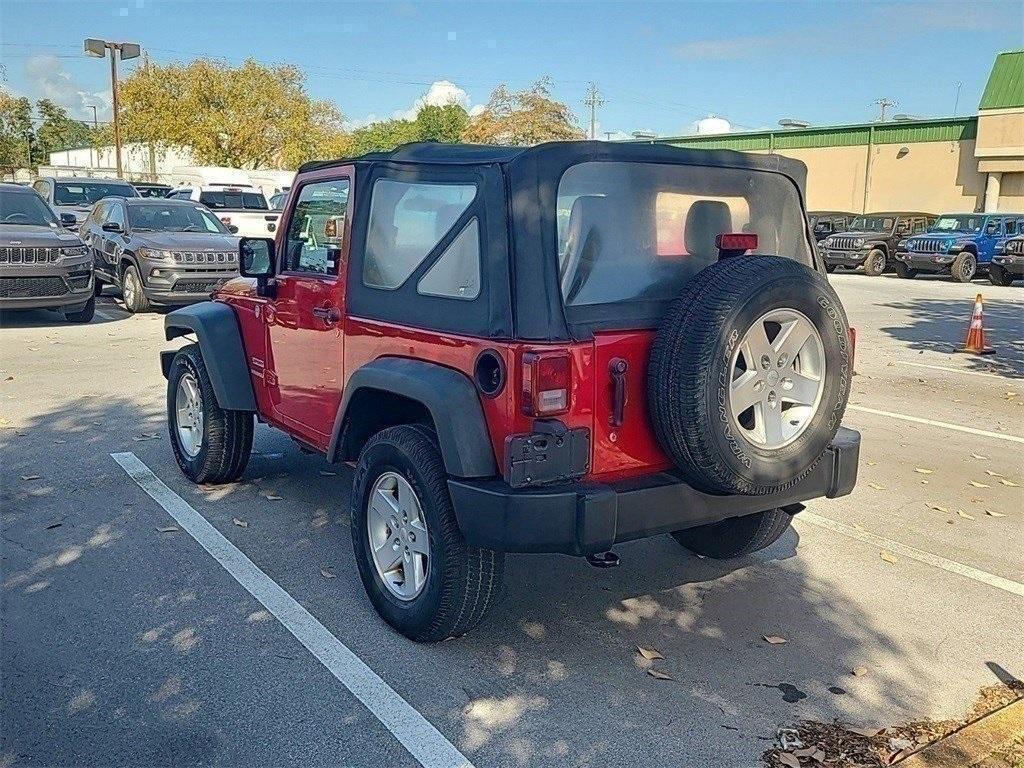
(75, 197)
(42, 265)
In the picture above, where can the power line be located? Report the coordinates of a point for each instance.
(883, 104)
(593, 101)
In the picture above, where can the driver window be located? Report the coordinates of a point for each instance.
(116, 214)
(992, 228)
(317, 229)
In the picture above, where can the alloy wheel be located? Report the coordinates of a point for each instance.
(397, 534)
(188, 404)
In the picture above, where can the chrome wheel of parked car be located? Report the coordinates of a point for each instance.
(778, 376)
(189, 408)
(397, 534)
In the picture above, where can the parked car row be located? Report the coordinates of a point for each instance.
(960, 245)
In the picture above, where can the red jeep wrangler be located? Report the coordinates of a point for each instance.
(547, 349)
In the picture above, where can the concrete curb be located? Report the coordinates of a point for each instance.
(972, 743)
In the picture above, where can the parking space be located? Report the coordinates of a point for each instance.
(130, 639)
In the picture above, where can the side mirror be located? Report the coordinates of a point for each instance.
(256, 257)
(111, 226)
(232, 229)
(68, 220)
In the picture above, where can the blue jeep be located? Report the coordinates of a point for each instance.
(958, 244)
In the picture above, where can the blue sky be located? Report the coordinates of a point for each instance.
(659, 66)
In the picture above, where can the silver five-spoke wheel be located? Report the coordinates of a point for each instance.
(778, 376)
(188, 403)
(397, 534)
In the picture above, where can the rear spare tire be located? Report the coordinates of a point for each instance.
(749, 375)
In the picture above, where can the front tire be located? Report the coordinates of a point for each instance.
(424, 581)
(905, 272)
(997, 275)
(210, 444)
(84, 315)
(131, 290)
(964, 268)
(736, 536)
(97, 286)
(875, 263)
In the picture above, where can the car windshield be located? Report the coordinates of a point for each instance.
(173, 218)
(85, 193)
(958, 223)
(24, 209)
(234, 199)
(873, 224)
(640, 231)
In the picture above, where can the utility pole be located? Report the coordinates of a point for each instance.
(593, 101)
(99, 48)
(883, 104)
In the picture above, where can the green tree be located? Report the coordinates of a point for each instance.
(57, 131)
(441, 123)
(523, 118)
(15, 132)
(248, 116)
(382, 136)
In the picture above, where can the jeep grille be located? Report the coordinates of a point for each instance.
(12, 255)
(928, 245)
(842, 243)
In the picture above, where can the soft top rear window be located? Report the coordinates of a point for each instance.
(639, 231)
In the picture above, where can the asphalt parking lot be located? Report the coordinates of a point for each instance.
(133, 637)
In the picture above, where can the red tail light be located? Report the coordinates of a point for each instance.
(736, 241)
(546, 382)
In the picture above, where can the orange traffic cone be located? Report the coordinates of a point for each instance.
(975, 343)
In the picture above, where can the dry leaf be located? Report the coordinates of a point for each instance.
(26, 478)
(1010, 483)
(273, 497)
(937, 508)
(976, 484)
(876, 486)
(168, 529)
(146, 436)
(922, 471)
(860, 671)
(992, 513)
(964, 514)
(888, 557)
(979, 456)
(789, 759)
(658, 675)
(327, 574)
(872, 463)
(649, 653)
(239, 523)
(867, 732)
(924, 482)
(325, 473)
(993, 474)
(774, 639)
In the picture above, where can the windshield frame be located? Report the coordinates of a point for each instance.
(49, 218)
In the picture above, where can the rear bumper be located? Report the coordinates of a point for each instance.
(584, 518)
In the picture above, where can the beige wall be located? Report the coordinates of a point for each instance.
(1011, 193)
(1000, 133)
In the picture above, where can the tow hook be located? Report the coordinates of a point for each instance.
(603, 560)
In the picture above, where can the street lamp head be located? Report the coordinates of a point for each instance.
(130, 51)
(94, 47)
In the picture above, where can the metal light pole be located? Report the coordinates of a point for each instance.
(95, 154)
(99, 48)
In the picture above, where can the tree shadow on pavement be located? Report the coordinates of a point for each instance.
(940, 325)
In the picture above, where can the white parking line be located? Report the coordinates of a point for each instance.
(942, 424)
(1013, 587)
(416, 734)
(953, 370)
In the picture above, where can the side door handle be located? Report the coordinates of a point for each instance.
(329, 315)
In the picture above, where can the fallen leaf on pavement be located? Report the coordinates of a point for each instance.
(327, 574)
(922, 471)
(867, 732)
(325, 473)
(51, 526)
(1010, 483)
(872, 463)
(146, 436)
(924, 482)
(774, 639)
(26, 478)
(273, 497)
(888, 557)
(168, 529)
(876, 486)
(976, 484)
(860, 671)
(979, 456)
(964, 514)
(239, 523)
(788, 759)
(659, 675)
(993, 474)
(649, 653)
(937, 508)
(993, 513)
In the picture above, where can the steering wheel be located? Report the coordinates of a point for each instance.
(12, 217)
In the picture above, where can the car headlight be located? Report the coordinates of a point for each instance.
(154, 254)
(859, 242)
(901, 244)
(74, 251)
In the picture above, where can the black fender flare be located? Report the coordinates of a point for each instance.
(220, 340)
(449, 396)
(881, 245)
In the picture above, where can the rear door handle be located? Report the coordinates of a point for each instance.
(327, 314)
(617, 367)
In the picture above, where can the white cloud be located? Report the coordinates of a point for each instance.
(49, 80)
(440, 94)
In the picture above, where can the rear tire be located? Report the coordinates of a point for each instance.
(736, 536)
(219, 449)
(997, 275)
(905, 272)
(462, 582)
(97, 287)
(875, 263)
(84, 315)
(964, 268)
(131, 291)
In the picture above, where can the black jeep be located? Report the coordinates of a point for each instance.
(871, 241)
